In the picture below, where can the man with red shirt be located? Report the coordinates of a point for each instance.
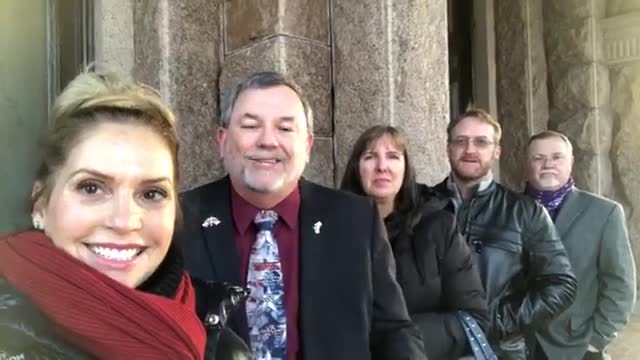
(330, 292)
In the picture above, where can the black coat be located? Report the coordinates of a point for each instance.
(437, 274)
(522, 262)
(351, 306)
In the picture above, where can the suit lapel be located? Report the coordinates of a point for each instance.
(220, 243)
(569, 212)
(220, 238)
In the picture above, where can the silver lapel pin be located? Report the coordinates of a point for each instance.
(317, 226)
(211, 221)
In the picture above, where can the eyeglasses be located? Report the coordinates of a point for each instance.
(478, 142)
(551, 159)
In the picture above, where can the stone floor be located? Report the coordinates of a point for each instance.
(627, 346)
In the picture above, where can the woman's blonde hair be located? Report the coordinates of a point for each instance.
(90, 100)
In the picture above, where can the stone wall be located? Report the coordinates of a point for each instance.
(360, 63)
(177, 50)
(625, 93)
(391, 67)
(521, 82)
(579, 88)
(621, 33)
(114, 36)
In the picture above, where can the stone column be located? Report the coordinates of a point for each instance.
(292, 37)
(390, 67)
(521, 74)
(113, 24)
(579, 87)
(621, 32)
(177, 50)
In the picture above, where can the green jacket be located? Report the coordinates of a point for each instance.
(594, 233)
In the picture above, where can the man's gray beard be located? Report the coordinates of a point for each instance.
(548, 185)
(251, 186)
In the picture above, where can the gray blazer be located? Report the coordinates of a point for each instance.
(594, 233)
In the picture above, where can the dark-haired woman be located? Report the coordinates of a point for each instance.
(434, 265)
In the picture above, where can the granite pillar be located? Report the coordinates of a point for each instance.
(292, 37)
(521, 81)
(579, 88)
(621, 34)
(113, 35)
(177, 50)
(390, 67)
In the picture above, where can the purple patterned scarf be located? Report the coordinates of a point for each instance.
(551, 200)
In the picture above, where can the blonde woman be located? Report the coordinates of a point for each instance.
(98, 276)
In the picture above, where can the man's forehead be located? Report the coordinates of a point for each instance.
(549, 142)
(473, 127)
(549, 145)
(271, 94)
(280, 100)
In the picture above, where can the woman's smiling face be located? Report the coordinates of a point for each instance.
(112, 203)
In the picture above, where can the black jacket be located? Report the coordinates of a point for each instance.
(438, 277)
(350, 304)
(523, 264)
(25, 330)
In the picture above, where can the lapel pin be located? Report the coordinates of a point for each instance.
(211, 221)
(317, 226)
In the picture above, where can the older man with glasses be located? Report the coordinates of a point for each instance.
(594, 233)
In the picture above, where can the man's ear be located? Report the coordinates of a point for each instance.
(572, 161)
(497, 152)
(310, 138)
(221, 136)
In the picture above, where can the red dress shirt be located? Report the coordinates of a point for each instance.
(288, 239)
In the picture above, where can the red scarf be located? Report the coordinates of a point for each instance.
(97, 314)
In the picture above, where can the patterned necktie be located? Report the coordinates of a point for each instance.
(266, 314)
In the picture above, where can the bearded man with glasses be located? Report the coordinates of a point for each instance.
(523, 264)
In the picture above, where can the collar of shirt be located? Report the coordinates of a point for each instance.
(244, 212)
(457, 196)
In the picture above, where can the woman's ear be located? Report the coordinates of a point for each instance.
(37, 209)
(36, 194)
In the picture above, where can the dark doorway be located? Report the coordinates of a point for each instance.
(460, 18)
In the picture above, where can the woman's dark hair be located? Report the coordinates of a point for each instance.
(406, 212)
